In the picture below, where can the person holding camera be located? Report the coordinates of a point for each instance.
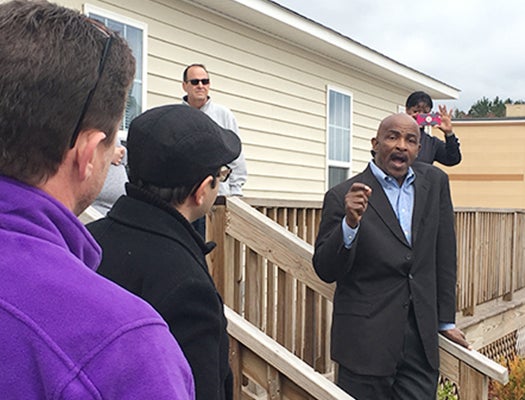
(432, 148)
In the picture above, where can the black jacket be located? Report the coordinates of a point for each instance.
(152, 250)
(434, 149)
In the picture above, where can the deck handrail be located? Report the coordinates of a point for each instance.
(282, 360)
(299, 263)
(475, 360)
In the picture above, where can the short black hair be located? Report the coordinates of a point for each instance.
(419, 97)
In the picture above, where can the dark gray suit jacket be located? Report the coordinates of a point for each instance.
(381, 273)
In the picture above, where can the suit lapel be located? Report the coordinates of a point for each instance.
(379, 202)
(421, 188)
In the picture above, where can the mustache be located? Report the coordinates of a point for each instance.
(397, 156)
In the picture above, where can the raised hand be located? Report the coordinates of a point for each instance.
(356, 202)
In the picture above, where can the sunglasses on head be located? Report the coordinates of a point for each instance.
(195, 82)
(109, 36)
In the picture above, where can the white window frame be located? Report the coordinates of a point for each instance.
(89, 8)
(336, 163)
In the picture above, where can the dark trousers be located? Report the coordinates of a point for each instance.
(413, 379)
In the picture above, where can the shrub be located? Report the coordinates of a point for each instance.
(447, 391)
(515, 389)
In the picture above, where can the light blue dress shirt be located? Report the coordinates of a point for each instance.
(401, 199)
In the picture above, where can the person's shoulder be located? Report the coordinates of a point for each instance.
(429, 171)
(98, 225)
(219, 107)
(91, 308)
(117, 306)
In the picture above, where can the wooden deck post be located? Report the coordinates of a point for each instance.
(215, 231)
(473, 385)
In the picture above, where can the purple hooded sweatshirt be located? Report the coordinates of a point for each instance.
(65, 331)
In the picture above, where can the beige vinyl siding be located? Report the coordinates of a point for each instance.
(277, 91)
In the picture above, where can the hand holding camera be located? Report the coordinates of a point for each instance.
(426, 119)
(441, 119)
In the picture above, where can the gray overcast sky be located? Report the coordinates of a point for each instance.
(476, 46)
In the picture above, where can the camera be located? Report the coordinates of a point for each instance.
(431, 119)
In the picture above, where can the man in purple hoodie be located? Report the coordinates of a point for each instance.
(65, 331)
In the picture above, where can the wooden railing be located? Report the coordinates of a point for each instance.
(277, 373)
(491, 262)
(490, 246)
(263, 269)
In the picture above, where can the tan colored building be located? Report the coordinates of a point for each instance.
(307, 99)
(492, 172)
(514, 110)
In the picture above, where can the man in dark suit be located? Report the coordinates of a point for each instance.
(177, 156)
(387, 239)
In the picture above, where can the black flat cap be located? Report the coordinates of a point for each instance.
(177, 145)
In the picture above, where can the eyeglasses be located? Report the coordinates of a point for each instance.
(195, 82)
(224, 173)
(109, 36)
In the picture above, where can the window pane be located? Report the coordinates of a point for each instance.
(346, 112)
(134, 37)
(336, 175)
(332, 145)
(331, 108)
(116, 26)
(339, 144)
(339, 122)
(133, 106)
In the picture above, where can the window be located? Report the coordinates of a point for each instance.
(339, 136)
(135, 33)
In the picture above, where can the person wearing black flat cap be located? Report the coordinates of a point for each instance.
(177, 156)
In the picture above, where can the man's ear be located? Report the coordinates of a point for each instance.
(374, 143)
(200, 193)
(85, 151)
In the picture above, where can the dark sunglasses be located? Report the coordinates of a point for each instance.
(224, 173)
(195, 82)
(109, 36)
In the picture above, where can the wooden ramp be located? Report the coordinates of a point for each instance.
(263, 268)
(279, 311)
